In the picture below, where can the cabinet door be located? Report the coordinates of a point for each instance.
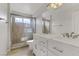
(55, 47)
(42, 51)
(51, 53)
(63, 49)
(42, 42)
(34, 46)
(3, 38)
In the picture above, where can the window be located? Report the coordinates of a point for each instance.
(19, 20)
(27, 21)
(23, 20)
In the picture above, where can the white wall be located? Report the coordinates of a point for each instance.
(39, 25)
(61, 22)
(27, 8)
(75, 22)
(69, 20)
(4, 29)
(64, 19)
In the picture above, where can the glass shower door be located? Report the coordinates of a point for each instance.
(27, 34)
(21, 29)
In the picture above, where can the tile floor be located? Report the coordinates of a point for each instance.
(23, 51)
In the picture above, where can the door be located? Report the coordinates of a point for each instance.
(3, 37)
(21, 29)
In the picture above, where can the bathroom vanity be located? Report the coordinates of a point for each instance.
(52, 45)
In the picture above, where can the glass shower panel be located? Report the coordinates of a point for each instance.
(27, 28)
(21, 29)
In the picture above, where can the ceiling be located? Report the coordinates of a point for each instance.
(66, 7)
(28, 8)
(36, 9)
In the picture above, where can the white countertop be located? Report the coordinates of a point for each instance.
(74, 42)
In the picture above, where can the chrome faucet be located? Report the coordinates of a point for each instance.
(72, 35)
(75, 36)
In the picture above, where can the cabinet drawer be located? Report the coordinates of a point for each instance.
(62, 49)
(51, 53)
(70, 50)
(43, 51)
(54, 46)
(43, 42)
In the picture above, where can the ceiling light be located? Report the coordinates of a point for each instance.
(60, 4)
(54, 5)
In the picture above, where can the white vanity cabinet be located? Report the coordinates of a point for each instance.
(40, 46)
(43, 51)
(62, 49)
(43, 42)
(36, 45)
(35, 50)
(53, 47)
(51, 53)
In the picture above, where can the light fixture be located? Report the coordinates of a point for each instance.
(54, 5)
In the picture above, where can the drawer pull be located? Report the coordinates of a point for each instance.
(58, 50)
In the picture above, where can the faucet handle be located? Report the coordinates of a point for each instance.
(71, 34)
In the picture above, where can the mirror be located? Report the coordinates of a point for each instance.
(45, 26)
